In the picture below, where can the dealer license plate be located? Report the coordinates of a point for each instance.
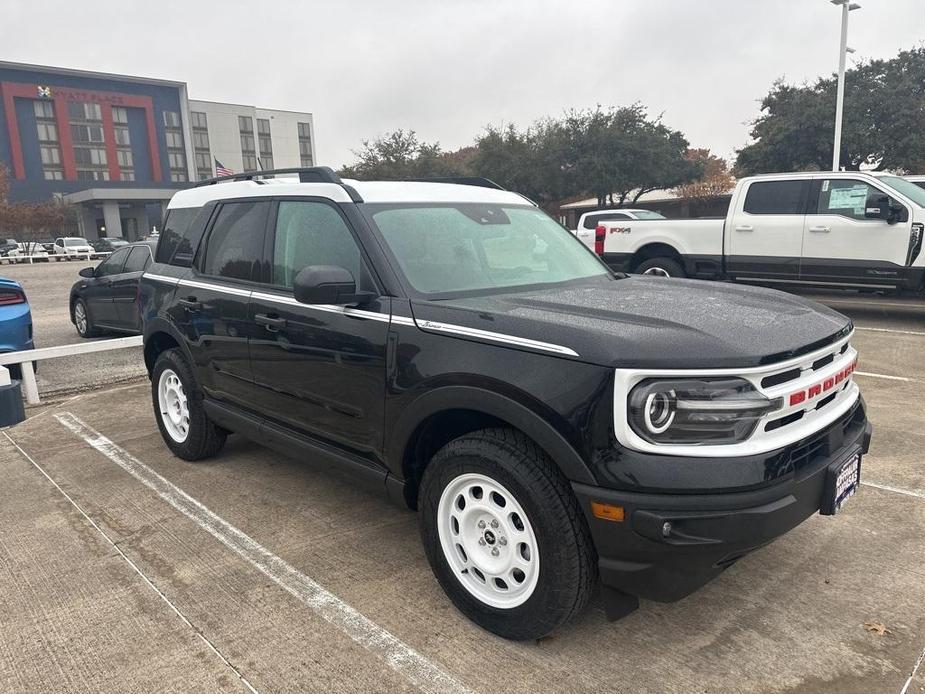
(842, 482)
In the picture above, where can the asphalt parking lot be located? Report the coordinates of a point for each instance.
(126, 569)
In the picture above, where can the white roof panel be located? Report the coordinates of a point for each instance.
(370, 191)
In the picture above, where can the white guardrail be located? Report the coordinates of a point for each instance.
(25, 358)
(17, 259)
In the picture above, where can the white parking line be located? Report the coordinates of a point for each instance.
(889, 378)
(918, 664)
(918, 493)
(134, 566)
(891, 330)
(417, 669)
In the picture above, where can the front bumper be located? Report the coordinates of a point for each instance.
(709, 532)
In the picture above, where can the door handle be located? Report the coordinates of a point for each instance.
(190, 304)
(271, 323)
(820, 230)
(745, 227)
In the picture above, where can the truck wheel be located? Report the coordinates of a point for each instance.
(661, 267)
(504, 534)
(179, 412)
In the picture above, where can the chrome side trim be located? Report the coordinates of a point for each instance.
(329, 308)
(495, 337)
(215, 287)
(161, 278)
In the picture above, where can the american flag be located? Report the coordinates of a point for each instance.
(221, 170)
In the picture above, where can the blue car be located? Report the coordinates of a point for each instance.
(15, 320)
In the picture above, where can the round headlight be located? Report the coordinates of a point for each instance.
(659, 411)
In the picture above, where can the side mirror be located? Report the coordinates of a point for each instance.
(877, 206)
(327, 284)
(87, 272)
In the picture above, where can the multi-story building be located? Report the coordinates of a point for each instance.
(118, 147)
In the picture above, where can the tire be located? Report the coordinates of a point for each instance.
(88, 330)
(557, 568)
(194, 437)
(661, 267)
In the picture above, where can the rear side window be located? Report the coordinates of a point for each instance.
(592, 221)
(234, 248)
(777, 197)
(138, 259)
(176, 228)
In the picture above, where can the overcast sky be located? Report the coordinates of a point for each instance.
(448, 68)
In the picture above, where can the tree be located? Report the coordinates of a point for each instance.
(884, 110)
(715, 181)
(27, 221)
(400, 155)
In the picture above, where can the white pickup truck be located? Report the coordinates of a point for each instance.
(850, 229)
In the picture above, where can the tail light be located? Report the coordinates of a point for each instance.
(600, 233)
(8, 297)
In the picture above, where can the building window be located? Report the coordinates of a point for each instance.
(174, 139)
(122, 137)
(250, 162)
(127, 175)
(176, 155)
(263, 126)
(245, 124)
(248, 146)
(177, 160)
(201, 145)
(48, 132)
(266, 163)
(305, 144)
(54, 175)
(86, 133)
(125, 159)
(79, 110)
(44, 109)
(51, 156)
(87, 175)
(119, 114)
(89, 157)
(200, 139)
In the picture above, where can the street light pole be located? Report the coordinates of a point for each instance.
(846, 7)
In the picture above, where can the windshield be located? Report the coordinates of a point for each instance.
(907, 188)
(469, 247)
(75, 242)
(117, 242)
(648, 214)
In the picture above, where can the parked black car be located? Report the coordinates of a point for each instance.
(105, 298)
(552, 422)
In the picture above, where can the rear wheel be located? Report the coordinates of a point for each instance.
(504, 534)
(661, 267)
(178, 408)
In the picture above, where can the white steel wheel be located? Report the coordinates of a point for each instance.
(657, 272)
(173, 405)
(80, 317)
(488, 541)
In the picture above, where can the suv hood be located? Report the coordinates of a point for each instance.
(650, 322)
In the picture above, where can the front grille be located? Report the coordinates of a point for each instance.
(805, 452)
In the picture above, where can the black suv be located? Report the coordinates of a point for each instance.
(455, 348)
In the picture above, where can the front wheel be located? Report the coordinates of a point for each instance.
(178, 409)
(82, 320)
(661, 267)
(504, 534)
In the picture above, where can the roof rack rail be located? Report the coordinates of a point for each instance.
(310, 174)
(460, 180)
